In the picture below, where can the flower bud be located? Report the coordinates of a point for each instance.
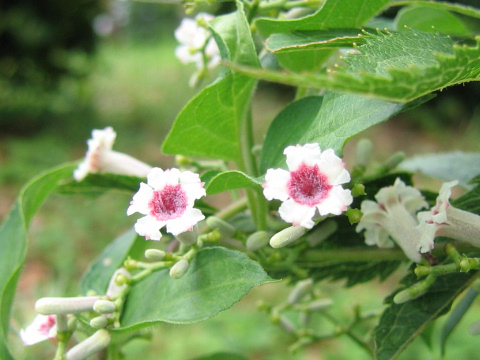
(118, 282)
(155, 254)
(301, 289)
(363, 152)
(322, 232)
(225, 228)
(354, 215)
(179, 269)
(287, 325)
(320, 304)
(287, 236)
(104, 307)
(95, 343)
(99, 322)
(69, 305)
(257, 240)
(394, 160)
(188, 238)
(212, 236)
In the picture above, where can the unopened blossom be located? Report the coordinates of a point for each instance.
(313, 183)
(444, 219)
(167, 199)
(391, 219)
(101, 158)
(42, 328)
(196, 43)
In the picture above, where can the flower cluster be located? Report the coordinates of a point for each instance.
(312, 183)
(196, 43)
(167, 199)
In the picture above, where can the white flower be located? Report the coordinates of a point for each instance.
(167, 200)
(42, 328)
(196, 44)
(392, 219)
(313, 183)
(446, 220)
(101, 158)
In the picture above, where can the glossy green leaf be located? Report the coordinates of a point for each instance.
(397, 67)
(13, 240)
(210, 125)
(231, 180)
(400, 324)
(330, 120)
(442, 5)
(446, 166)
(425, 18)
(98, 275)
(216, 280)
(97, 184)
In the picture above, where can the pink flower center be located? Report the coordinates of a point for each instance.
(308, 186)
(46, 326)
(168, 203)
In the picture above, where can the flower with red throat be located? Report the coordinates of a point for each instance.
(167, 199)
(312, 183)
(42, 328)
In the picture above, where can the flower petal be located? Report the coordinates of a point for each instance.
(140, 201)
(185, 222)
(297, 214)
(275, 186)
(42, 328)
(149, 227)
(308, 154)
(337, 201)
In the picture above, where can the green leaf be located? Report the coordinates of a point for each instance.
(221, 356)
(334, 14)
(442, 5)
(446, 166)
(397, 67)
(216, 280)
(97, 184)
(98, 275)
(210, 125)
(455, 316)
(400, 324)
(13, 239)
(230, 180)
(427, 19)
(330, 121)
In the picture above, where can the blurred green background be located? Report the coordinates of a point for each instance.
(66, 69)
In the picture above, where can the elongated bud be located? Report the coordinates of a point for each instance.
(257, 240)
(474, 328)
(104, 307)
(363, 152)
(225, 228)
(118, 282)
(287, 236)
(394, 160)
(212, 236)
(179, 269)
(155, 254)
(99, 322)
(287, 325)
(320, 304)
(188, 238)
(322, 232)
(414, 291)
(69, 305)
(301, 289)
(90, 346)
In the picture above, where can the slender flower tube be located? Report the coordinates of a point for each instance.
(391, 219)
(312, 183)
(196, 43)
(42, 328)
(167, 199)
(446, 220)
(101, 158)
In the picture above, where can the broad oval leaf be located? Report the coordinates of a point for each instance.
(216, 280)
(231, 180)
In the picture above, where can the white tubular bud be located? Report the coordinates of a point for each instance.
(104, 306)
(322, 232)
(363, 152)
(69, 305)
(99, 322)
(287, 325)
(113, 287)
(179, 269)
(90, 346)
(225, 228)
(188, 238)
(257, 240)
(287, 236)
(155, 254)
(301, 289)
(320, 304)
